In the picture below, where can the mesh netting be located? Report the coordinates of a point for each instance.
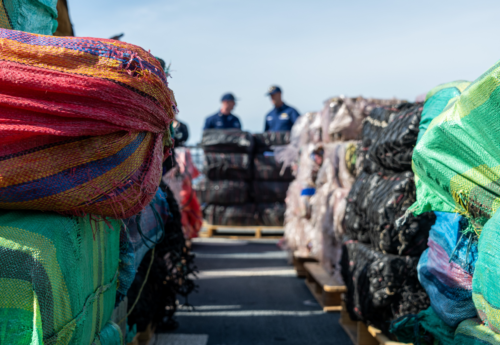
(394, 146)
(446, 268)
(58, 279)
(381, 287)
(457, 160)
(38, 17)
(169, 277)
(99, 109)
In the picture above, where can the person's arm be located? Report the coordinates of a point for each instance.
(239, 124)
(266, 123)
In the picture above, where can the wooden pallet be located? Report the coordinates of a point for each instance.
(253, 231)
(361, 334)
(298, 264)
(326, 289)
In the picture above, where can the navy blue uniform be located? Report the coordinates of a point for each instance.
(281, 119)
(219, 121)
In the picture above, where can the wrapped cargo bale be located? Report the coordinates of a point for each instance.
(223, 192)
(59, 277)
(487, 275)
(381, 287)
(456, 161)
(446, 269)
(100, 109)
(267, 168)
(374, 205)
(436, 101)
(227, 141)
(269, 191)
(164, 275)
(265, 142)
(394, 146)
(227, 166)
(237, 215)
(35, 16)
(474, 332)
(272, 214)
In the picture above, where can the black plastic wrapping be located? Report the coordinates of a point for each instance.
(272, 214)
(227, 166)
(223, 192)
(236, 215)
(267, 140)
(266, 168)
(393, 148)
(169, 277)
(374, 204)
(381, 287)
(227, 140)
(269, 191)
(372, 129)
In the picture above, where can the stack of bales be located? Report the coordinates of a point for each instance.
(83, 134)
(323, 154)
(380, 255)
(244, 185)
(456, 167)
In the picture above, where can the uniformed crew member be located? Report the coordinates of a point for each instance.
(282, 117)
(224, 119)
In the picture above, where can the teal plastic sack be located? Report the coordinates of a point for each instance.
(487, 275)
(437, 99)
(473, 332)
(35, 16)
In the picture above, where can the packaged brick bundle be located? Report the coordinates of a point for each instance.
(59, 278)
(455, 161)
(100, 109)
(223, 192)
(227, 166)
(236, 215)
(381, 287)
(267, 168)
(227, 141)
(267, 141)
(271, 214)
(163, 277)
(446, 269)
(269, 191)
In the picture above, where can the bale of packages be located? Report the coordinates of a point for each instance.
(269, 191)
(223, 192)
(227, 141)
(267, 168)
(227, 166)
(446, 269)
(59, 278)
(84, 124)
(236, 215)
(271, 214)
(380, 287)
(456, 160)
(267, 141)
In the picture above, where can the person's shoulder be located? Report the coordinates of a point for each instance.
(213, 116)
(290, 108)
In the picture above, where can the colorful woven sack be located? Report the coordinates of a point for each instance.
(473, 332)
(487, 275)
(58, 278)
(83, 124)
(446, 268)
(436, 100)
(456, 163)
(36, 16)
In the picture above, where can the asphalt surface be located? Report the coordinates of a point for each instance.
(249, 294)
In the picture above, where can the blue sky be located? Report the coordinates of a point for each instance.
(313, 49)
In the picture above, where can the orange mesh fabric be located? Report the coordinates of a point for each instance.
(83, 124)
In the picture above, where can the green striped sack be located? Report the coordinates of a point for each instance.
(58, 279)
(457, 161)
